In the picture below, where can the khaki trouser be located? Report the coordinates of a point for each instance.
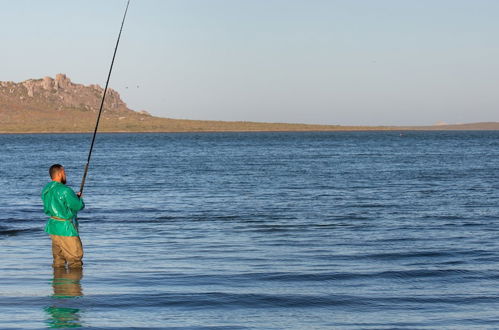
(67, 249)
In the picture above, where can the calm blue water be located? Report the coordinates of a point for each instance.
(258, 231)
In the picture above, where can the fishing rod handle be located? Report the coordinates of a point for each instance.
(84, 178)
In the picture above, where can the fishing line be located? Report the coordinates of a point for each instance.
(102, 102)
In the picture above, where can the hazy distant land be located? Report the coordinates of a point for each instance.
(58, 105)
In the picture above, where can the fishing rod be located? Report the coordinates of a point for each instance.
(102, 102)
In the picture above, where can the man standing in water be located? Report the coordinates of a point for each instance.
(61, 203)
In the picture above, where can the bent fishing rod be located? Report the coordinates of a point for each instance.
(102, 102)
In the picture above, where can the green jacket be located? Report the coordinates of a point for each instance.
(61, 201)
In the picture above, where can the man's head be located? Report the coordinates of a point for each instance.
(57, 173)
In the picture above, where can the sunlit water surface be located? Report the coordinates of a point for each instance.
(258, 230)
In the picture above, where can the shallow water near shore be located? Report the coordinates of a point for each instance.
(258, 231)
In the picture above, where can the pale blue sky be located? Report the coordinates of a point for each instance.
(311, 61)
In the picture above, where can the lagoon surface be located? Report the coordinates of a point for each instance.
(258, 231)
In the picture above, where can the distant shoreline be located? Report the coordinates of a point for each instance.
(349, 129)
(59, 106)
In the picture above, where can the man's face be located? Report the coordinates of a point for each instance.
(63, 176)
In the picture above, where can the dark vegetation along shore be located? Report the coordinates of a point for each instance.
(60, 106)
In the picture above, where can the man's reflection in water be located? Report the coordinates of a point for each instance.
(66, 284)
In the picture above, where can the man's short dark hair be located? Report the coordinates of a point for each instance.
(54, 169)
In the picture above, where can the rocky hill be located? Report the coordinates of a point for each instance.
(46, 105)
(59, 105)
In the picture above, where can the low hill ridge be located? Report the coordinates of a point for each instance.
(51, 105)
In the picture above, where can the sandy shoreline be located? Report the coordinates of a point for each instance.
(349, 129)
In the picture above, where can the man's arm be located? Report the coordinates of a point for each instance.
(72, 201)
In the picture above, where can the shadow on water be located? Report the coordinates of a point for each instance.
(66, 285)
(4, 231)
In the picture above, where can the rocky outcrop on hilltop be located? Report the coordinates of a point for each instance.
(60, 105)
(60, 93)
